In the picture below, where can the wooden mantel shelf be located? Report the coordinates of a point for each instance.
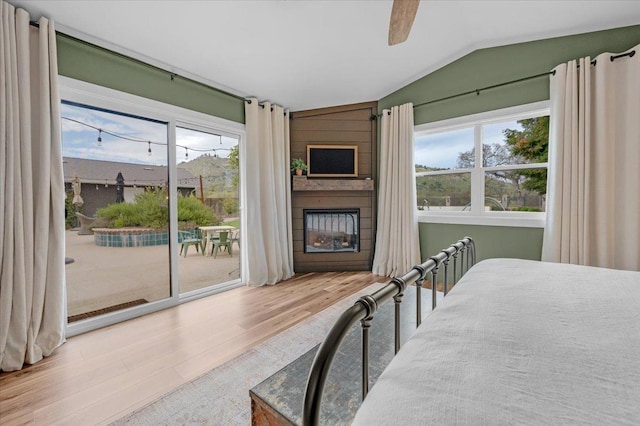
(303, 184)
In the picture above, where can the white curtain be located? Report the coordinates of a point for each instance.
(32, 295)
(268, 183)
(593, 207)
(397, 247)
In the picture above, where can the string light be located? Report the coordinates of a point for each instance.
(100, 131)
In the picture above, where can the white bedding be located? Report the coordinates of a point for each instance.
(520, 342)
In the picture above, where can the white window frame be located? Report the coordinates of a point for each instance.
(477, 215)
(110, 99)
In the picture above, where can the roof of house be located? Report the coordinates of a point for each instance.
(105, 172)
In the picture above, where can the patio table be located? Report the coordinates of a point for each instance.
(209, 232)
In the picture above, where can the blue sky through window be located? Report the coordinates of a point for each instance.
(80, 140)
(440, 150)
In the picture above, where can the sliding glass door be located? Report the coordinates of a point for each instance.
(150, 187)
(209, 216)
(117, 212)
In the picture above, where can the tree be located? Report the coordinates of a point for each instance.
(493, 155)
(234, 165)
(531, 143)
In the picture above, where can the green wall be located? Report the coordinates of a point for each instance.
(487, 67)
(86, 62)
(491, 241)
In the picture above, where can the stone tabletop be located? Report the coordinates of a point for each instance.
(284, 391)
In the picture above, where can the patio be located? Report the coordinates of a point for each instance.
(102, 277)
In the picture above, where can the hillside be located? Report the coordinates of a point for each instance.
(215, 172)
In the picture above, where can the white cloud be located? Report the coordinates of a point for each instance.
(442, 149)
(80, 140)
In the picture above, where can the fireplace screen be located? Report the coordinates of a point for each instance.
(329, 231)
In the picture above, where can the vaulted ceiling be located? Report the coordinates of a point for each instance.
(307, 54)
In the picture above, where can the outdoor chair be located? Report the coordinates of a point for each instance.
(186, 239)
(235, 237)
(222, 243)
(85, 224)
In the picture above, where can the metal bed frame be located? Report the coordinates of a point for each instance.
(364, 310)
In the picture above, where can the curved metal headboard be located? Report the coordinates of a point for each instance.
(364, 310)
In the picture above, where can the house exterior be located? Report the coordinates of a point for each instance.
(98, 180)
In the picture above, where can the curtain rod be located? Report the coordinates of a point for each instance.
(373, 117)
(506, 83)
(477, 91)
(261, 105)
(172, 75)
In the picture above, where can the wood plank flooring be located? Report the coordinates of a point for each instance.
(100, 376)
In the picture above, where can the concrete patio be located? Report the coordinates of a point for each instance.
(102, 277)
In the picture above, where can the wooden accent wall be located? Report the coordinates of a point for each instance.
(342, 125)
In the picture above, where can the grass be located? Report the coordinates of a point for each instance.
(235, 223)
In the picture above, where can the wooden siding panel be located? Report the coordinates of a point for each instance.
(343, 125)
(327, 137)
(358, 114)
(333, 125)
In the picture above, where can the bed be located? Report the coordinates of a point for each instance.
(519, 342)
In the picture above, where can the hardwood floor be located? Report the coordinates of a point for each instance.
(98, 377)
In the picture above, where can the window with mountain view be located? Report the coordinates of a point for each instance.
(497, 165)
(117, 212)
(117, 177)
(209, 162)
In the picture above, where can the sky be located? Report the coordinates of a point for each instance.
(80, 140)
(441, 149)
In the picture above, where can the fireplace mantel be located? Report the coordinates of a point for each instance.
(301, 183)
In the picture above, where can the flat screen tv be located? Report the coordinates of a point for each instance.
(332, 160)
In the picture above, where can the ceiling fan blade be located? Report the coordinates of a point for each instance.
(403, 13)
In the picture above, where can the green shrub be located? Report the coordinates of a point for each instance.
(192, 211)
(150, 209)
(526, 209)
(119, 215)
(153, 206)
(70, 219)
(230, 205)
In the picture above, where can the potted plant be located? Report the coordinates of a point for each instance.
(298, 166)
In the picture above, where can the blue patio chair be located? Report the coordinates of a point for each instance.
(186, 239)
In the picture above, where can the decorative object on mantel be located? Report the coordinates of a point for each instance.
(298, 166)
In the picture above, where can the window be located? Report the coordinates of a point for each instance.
(489, 168)
(150, 176)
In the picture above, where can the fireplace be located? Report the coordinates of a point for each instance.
(331, 230)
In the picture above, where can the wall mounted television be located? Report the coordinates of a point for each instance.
(332, 160)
